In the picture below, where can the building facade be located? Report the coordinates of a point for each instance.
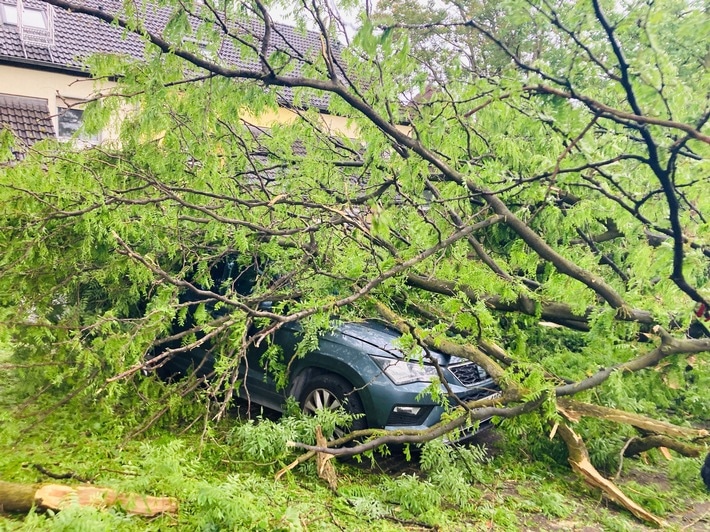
(44, 78)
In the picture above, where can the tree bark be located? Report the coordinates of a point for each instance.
(23, 497)
(640, 445)
(16, 497)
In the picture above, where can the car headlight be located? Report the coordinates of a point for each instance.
(402, 372)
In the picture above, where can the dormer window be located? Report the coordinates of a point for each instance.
(34, 18)
(31, 17)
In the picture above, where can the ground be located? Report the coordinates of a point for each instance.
(220, 484)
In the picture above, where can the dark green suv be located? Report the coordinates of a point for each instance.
(358, 366)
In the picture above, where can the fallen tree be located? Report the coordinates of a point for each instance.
(564, 184)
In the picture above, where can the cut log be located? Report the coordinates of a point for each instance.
(22, 497)
(16, 497)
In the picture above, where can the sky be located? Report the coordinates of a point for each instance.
(282, 14)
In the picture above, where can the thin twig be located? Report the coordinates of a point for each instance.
(621, 456)
(68, 475)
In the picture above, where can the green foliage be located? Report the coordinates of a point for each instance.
(107, 252)
(238, 503)
(498, 515)
(81, 519)
(7, 142)
(263, 441)
(219, 485)
(545, 500)
(453, 469)
(416, 496)
(685, 472)
(367, 506)
(647, 496)
(266, 441)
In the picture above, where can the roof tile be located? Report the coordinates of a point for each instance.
(28, 118)
(77, 36)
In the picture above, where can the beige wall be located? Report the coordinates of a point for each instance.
(51, 86)
(54, 87)
(332, 124)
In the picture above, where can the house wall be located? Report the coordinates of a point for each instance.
(57, 87)
(333, 124)
(51, 86)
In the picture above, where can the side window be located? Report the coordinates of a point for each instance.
(69, 122)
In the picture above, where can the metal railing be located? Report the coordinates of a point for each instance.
(33, 35)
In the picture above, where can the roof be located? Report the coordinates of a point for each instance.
(78, 36)
(27, 118)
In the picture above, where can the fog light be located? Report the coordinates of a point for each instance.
(407, 410)
(411, 415)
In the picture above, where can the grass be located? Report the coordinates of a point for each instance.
(220, 486)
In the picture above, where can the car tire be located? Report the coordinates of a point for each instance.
(331, 391)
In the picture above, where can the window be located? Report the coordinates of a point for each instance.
(69, 123)
(9, 14)
(31, 17)
(34, 18)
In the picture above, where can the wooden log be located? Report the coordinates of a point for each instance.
(22, 497)
(640, 445)
(16, 497)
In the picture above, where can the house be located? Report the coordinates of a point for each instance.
(42, 71)
(43, 74)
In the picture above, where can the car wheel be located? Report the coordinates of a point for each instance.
(332, 392)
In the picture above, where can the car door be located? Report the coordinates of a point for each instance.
(259, 368)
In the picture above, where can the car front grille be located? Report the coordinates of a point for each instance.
(469, 373)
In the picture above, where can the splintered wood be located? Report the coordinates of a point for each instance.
(326, 471)
(579, 460)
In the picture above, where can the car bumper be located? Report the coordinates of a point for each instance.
(393, 407)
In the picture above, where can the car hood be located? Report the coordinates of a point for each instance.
(378, 339)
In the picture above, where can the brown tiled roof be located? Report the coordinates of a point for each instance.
(78, 36)
(27, 118)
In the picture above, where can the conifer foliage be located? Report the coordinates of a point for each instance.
(521, 183)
